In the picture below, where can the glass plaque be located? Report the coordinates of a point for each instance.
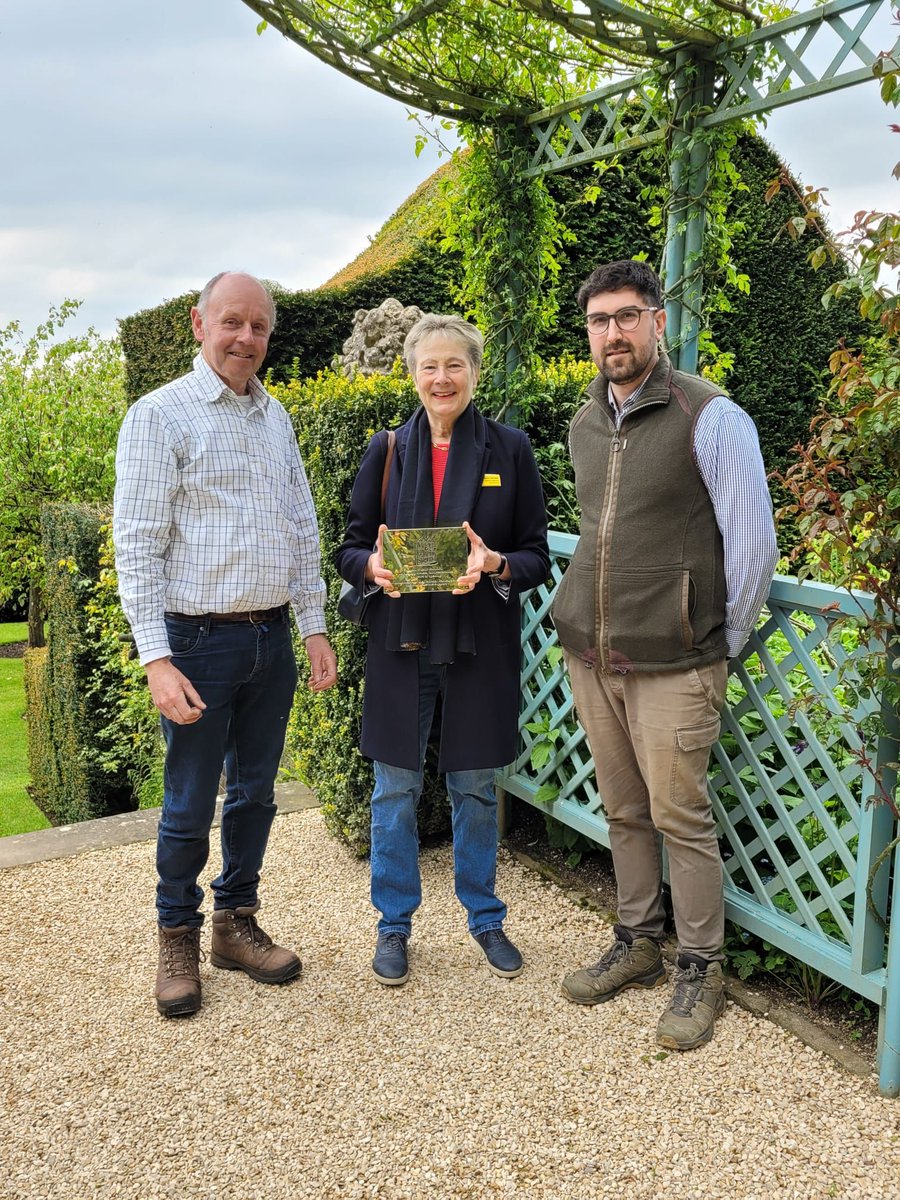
(426, 560)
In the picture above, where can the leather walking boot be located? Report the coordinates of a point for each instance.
(178, 973)
(238, 944)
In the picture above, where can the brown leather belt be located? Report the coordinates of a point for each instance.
(256, 616)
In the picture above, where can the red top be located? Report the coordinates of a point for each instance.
(438, 470)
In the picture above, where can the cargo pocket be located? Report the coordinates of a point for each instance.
(691, 762)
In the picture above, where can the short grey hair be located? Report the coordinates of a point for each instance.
(208, 288)
(463, 331)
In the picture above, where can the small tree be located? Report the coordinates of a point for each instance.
(845, 484)
(61, 405)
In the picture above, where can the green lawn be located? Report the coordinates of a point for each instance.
(13, 631)
(17, 813)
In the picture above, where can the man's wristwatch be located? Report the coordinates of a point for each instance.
(500, 569)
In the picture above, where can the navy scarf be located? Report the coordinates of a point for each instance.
(438, 620)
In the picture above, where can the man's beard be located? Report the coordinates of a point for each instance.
(623, 366)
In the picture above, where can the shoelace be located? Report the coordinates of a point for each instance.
(688, 985)
(493, 937)
(178, 955)
(616, 952)
(393, 942)
(248, 928)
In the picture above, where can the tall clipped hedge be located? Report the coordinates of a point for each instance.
(779, 334)
(64, 718)
(334, 419)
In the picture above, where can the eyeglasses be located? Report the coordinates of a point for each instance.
(626, 319)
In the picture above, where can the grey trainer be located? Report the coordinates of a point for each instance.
(699, 999)
(628, 963)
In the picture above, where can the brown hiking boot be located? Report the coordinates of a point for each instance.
(238, 944)
(178, 973)
(699, 999)
(628, 963)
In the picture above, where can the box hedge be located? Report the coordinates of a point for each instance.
(69, 782)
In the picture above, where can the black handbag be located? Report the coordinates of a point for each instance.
(352, 605)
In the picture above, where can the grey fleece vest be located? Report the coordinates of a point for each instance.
(645, 590)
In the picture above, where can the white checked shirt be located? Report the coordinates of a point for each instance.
(726, 445)
(212, 510)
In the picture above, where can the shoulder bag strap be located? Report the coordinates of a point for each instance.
(391, 439)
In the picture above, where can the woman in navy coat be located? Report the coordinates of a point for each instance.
(451, 466)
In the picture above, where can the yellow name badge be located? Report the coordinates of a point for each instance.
(491, 481)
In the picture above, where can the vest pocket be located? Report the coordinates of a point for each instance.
(574, 608)
(650, 618)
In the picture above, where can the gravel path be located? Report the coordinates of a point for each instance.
(459, 1086)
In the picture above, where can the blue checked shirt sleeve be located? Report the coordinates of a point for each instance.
(731, 466)
(146, 479)
(307, 590)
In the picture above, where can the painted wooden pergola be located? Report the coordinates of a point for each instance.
(776, 771)
(671, 76)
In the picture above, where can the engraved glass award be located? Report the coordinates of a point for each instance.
(426, 560)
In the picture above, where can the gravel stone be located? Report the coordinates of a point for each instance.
(458, 1086)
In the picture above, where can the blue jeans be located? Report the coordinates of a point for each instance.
(246, 675)
(396, 882)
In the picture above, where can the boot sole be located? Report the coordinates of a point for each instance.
(284, 976)
(644, 984)
(179, 1008)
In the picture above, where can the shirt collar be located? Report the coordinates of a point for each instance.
(629, 400)
(213, 389)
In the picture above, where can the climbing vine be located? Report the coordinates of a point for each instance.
(507, 230)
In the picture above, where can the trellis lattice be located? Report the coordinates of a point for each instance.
(752, 86)
(789, 781)
(808, 54)
(608, 121)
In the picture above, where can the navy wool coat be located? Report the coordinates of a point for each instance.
(480, 706)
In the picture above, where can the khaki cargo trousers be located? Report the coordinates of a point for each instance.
(650, 735)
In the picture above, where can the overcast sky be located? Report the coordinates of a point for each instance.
(151, 143)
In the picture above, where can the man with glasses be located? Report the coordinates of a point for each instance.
(674, 561)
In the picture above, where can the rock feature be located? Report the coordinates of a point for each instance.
(376, 341)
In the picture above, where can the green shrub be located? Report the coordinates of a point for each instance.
(73, 785)
(128, 738)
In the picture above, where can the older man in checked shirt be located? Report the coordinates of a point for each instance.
(216, 541)
(674, 561)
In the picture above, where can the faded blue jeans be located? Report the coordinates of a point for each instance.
(396, 882)
(246, 675)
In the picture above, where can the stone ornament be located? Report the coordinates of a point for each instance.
(376, 341)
